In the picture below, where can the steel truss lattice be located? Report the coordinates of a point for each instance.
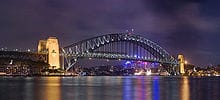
(131, 43)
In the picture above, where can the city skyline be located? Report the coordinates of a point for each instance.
(188, 27)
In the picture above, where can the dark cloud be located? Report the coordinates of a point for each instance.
(181, 26)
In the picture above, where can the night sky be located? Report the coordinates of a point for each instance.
(190, 27)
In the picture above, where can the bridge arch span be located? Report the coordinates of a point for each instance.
(88, 47)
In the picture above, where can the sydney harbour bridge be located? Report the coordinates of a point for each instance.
(116, 46)
(121, 46)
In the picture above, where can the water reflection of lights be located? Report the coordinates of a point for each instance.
(142, 89)
(156, 90)
(127, 89)
(90, 89)
(184, 89)
(52, 88)
(140, 92)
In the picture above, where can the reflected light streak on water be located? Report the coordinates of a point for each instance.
(52, 88)
(90, 89)
(184, 89)
(143, 90)
(156, 90)
(127, 89)
(138, 94)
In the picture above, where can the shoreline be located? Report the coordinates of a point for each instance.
(95, 75)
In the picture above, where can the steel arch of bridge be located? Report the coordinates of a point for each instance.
(87, 47)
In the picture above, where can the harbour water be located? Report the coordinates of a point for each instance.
(110, 88)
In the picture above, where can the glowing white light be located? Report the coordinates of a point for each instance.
(127, 62)
(186, 62)
(138, 73)
(11, 62)
(148, 72)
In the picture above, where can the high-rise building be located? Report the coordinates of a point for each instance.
(181, 62)
(51, 48)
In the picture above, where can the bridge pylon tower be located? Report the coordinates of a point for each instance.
(181, 62)
(50, 47)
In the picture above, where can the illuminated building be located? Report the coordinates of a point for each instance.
(181, 62)
(42, 46)
(50, 47)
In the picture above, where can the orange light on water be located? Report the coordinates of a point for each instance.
(52, 89)
(184, 89)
